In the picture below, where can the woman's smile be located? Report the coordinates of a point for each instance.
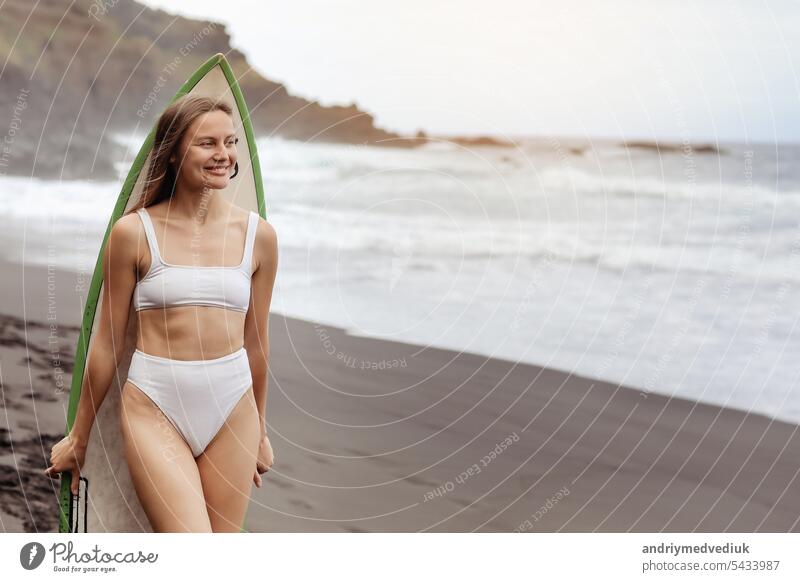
(217, 170)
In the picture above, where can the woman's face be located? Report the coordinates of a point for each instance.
(207, 152)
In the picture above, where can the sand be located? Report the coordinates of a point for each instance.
(371, 435)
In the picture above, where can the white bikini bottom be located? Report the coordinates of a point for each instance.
(196, 396)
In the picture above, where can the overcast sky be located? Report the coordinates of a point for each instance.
(706, 70)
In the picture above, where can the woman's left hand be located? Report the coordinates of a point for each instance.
(264, 459)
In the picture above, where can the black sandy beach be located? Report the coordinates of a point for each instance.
(380, 436)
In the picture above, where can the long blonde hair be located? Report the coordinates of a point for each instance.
(173, 123)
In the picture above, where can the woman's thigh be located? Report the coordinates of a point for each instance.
(228, 464)
(162, 467)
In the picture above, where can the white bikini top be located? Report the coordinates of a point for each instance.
(167, 285)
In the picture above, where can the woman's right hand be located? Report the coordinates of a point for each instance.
(68, 455)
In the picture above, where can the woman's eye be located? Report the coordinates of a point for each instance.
(230, 142)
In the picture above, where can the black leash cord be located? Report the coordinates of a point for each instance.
(77, 502)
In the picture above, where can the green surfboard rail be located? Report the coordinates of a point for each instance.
(66, 497)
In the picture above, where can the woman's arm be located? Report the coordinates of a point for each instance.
(119, 279)
(256, 327)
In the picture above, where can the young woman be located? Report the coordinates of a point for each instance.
(200, 273)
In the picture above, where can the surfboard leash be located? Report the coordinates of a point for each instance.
(75, 506)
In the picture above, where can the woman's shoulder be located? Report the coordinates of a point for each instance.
(127, 225)
(124, 239)
(245, 214)
(266, 236)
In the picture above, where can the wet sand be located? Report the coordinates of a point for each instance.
(372, 435)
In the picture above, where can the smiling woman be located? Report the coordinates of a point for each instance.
(206, 152)
(187, 274)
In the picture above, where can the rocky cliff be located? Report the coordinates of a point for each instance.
(74, 73)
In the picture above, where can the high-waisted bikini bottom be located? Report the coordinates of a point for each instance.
(196, 396)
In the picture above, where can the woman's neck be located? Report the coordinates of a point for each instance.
(197, 205)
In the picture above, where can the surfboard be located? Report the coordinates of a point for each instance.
(109, 502)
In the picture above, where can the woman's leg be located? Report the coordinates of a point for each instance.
(162, 467)
(228, 464)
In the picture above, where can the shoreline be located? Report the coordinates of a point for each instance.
(432, 440)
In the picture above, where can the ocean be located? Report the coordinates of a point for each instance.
(674, 272)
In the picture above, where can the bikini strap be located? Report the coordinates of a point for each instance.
(249, 243)
(150, 233)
